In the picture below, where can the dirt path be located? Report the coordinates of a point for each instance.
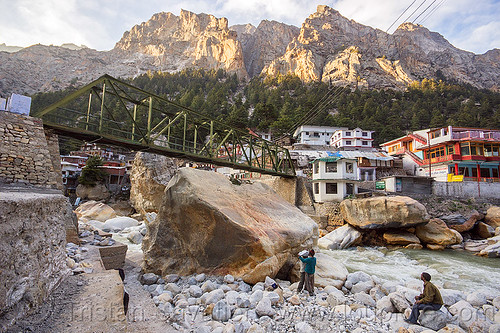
(143, 315)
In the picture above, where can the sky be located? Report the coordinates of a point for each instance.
(471, 25)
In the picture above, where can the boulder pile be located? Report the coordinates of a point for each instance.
(364, 303)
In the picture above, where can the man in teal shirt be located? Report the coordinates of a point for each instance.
(309, 269)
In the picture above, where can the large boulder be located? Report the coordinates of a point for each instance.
(436, 232)
(483, 230)
(329, 271)
(96, 192)
(435, 320)
(206, 224)
(149, 177)
(93, 210)
(493, 248)
(493, 216)
(400, 238)
(340, 238)
(463, 225)
(383, 212)
(119, 223)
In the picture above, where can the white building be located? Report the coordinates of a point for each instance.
(334, 178)
(314, 135)
(355, 139)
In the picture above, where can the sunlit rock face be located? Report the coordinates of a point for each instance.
(207, 224)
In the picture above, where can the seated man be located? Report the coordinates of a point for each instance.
(430, 299)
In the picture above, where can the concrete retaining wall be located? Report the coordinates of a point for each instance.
(466, 189)
(32, 247)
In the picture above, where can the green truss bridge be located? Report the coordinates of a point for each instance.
(114, 112)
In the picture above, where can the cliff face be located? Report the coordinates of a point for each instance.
(188, 40)
(328, 47)
(263, 44)
(332, 48)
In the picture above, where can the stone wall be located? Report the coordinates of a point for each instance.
(26, 154)
(32, 247)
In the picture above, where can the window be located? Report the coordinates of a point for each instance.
(307, 133)
(348, 142)
(331, 166)
(435, 134)
(349, 188)
(316, 135)
(464, 149)
(331, 188)
(450, 150)
(364, 133)
(347, 133)
(316, 188)
(316, 167)
(364, 143)
(349, 167)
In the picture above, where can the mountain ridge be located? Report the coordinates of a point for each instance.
(327, 47)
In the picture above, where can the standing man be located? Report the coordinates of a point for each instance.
(309, 271)
(302, 254)
(430, 299)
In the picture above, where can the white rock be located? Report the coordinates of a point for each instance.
(221, 311)
(208, 286)
(385, 304)
(363, 286)
(165, 297)
(264, 308)
(363, 313)
(358, 276)
(399, 301)
(435, 320)
(228, 278)
(243, 301)
(462, 308)
(200, 277)
(476, 299)
(229, 328)
(135, 237)
(451, 296)
(119, 223)
(256, 297)
(231, 297)
(195, 291)
(329, 271)
(303, 327)
(212, 297)
(364, 299)
(340, 238)
(273, 296)
(173, 288)
(496, 301)
(149, 278)
(255, 328)
(342, 309)
(269, 282)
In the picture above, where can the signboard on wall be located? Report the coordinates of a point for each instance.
(19, 104)
(3, 104)
(380, 185)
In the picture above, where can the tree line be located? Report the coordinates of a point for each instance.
(280, 103)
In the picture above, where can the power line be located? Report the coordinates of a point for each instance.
(414, 11)
(424, 11)
(432, 11)
(404, 11)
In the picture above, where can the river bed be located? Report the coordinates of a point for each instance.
(450, 269)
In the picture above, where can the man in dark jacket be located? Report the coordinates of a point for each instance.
(430, 299)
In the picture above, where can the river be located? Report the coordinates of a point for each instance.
(452, 269)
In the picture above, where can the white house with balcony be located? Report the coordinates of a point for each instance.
(355, 139)
(314, 135)
(334, 178)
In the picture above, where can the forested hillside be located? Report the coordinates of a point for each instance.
(281, 103)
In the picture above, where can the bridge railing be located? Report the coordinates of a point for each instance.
(116, 112)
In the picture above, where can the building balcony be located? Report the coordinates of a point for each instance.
(476, 135)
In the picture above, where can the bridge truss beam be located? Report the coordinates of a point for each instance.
(114, 112)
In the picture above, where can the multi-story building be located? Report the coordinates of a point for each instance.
(473, 153)
(333, 178)
(356, 139)
(314, 135)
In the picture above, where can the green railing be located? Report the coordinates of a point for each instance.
(111, 111)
